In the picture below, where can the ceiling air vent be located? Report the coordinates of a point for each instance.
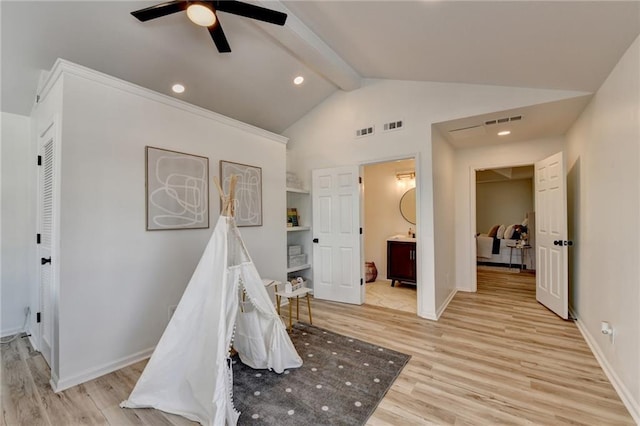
(503, 120)
(365, 131)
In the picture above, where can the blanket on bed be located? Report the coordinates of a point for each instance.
(496, 246)
(487, 246)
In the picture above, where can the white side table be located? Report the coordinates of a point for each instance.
(303, 291)
(269, 282)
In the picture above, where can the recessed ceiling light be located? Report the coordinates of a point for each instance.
(298, 80)
(177, 88)
(201, 15)
(504, 133)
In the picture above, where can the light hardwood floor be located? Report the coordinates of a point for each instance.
(495, 357)
(401, 297)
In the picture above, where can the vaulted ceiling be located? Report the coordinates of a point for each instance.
(334, 44)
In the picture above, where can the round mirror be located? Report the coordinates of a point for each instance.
(408, 206)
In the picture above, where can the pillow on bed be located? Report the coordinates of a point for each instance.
(508, 233)
(493, 231)
(500, 233)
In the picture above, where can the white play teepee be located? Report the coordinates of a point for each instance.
(190, 373)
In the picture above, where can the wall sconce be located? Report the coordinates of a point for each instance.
(405, 175)
(406, 179)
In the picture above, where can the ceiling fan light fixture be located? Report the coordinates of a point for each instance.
(201, 15)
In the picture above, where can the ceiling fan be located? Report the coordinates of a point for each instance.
(203, 13)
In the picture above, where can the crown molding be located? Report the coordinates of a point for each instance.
(64, 67)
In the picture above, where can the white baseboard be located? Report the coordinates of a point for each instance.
(445, 303)
(434, 316)
(52, 382)
(10, 332)
(624, 393)
(61, 384)
(429, 315)
(34, 344)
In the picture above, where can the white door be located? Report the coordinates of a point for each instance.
(337, 271)
(552, 282)
(46, 233)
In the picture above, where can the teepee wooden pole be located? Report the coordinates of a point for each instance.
(232, 195)
(227, 201)
(223, 199)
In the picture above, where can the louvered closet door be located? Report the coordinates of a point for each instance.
(46, 230)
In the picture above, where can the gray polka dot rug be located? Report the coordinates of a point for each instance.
(341, 382)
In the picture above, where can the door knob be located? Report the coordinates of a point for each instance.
(557, 242)
(315, 240)
(44, 261)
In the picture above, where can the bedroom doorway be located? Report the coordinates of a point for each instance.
(389, 214)
(505, 220)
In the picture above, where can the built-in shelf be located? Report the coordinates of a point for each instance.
(301, 236)
(297, 190)
(298, 268)
(298, 228)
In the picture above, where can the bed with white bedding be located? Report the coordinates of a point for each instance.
(495, 249)
(486, 251)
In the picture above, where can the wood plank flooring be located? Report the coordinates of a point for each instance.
(495, 357)
(402, 297)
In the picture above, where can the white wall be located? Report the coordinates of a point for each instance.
(18, 229)
(469, 160)
(505, 203)
(604, 207)
(382, 217)
(117, 280)
(444, 221)
(325, 137)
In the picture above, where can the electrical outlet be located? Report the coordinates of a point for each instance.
(607, 330)
(172, 310)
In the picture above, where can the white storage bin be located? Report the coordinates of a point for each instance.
(294, 250)
(297, 260)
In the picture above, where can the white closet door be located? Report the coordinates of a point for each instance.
(46, 149)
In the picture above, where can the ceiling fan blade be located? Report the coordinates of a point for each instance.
(250, 11)
(159, 10)
(219, 38)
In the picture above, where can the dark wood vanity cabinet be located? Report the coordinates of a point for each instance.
(401, 262)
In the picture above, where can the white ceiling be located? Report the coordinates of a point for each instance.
(535, 122)
(553, 45)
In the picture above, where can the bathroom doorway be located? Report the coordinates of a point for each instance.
(389, 215)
